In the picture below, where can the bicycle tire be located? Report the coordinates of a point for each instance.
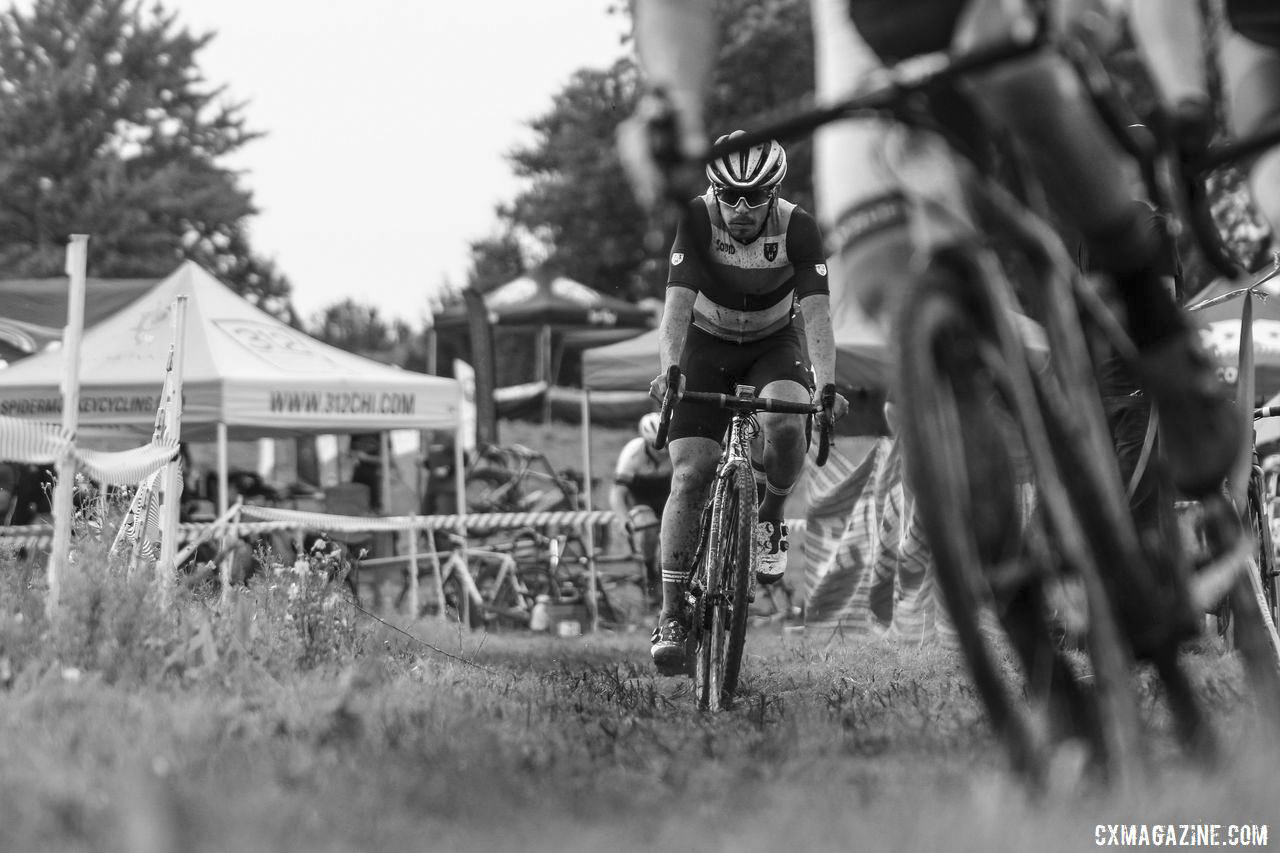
(1141, 613)
(1265, 546)
(727, 570)
(1253, 615)
(1222, 613)
(966, 372)
(1072, 425)
(459, 606)
(743, 528)
(481, 486)
(933, 325)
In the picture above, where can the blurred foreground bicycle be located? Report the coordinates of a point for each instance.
(1008, 452)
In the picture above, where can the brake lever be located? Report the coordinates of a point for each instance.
(669, 400)
(826, 423)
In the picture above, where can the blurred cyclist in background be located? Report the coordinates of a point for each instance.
(641, 486)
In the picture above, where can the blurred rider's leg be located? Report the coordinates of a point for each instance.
(693, 459)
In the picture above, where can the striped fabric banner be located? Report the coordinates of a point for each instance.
(140, 526)
(837, 540)
(867, 566)
(31, 442)
(43, 444)
(124, 467)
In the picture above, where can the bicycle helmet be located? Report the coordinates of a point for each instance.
(761, 166)
(649, 427)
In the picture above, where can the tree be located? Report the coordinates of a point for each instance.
(108, 128)
(494, 262)
(354, 327)
(577, 192)
(359, 328)
(766, 66)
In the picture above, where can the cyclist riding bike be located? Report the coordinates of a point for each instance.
(1038, 100)
(641, 486)
(747, 280)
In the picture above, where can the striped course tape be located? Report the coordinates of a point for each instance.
(273, 520)
(472, 521)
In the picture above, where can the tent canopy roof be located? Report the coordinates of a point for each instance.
(537, 300)
(242, 367)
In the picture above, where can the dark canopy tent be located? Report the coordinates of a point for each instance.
(623, 371)
(33, 311)
(563, 313)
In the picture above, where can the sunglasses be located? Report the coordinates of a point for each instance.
(753, 197)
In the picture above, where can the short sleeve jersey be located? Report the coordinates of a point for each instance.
(747, 291)
(645, 472)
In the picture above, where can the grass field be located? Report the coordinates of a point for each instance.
(288, 720)
(285, 721)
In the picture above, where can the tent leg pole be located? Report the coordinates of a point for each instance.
(224, 570)
(412, 533)
(594, 600)
(460, 502)
(384, 483)
(223, 500)
(544, 348)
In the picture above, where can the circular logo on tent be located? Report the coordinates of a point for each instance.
(277, 345)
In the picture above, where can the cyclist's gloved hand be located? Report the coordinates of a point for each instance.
(841, 407)
(658, 387)
(661, 147)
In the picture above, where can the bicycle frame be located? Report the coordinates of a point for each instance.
(737, 449)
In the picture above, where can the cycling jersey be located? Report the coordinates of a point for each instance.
(747, 291)
(646, 473)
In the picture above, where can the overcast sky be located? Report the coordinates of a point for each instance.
(387, 126)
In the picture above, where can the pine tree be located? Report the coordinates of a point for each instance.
(108, 128)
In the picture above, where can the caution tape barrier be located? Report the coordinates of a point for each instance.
(275, 520)
(469, 522)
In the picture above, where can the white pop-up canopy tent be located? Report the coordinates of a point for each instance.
(246, 374)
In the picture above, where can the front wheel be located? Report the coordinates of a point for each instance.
(1264, 546)
(964, 482)
(1003, 531)
(728, 573)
